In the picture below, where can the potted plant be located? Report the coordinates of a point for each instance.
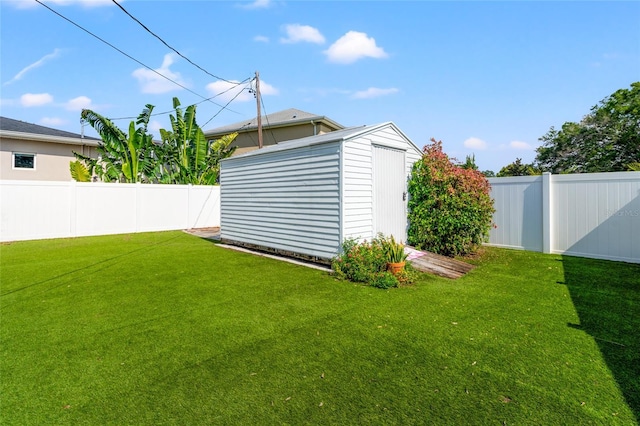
(395, 254)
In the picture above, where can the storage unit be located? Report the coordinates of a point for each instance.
(304, 197)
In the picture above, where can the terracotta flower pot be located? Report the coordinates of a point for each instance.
(395, 268)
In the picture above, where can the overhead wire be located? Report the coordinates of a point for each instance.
(222, 109)
(266, 116)
(134, 59)
(167, 44)
(197, 103)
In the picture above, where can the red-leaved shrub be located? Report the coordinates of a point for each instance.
(450, 208)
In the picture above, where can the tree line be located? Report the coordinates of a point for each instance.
(182, 156)
(607, 139)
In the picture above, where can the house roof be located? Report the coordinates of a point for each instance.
(288, 117)
(335, 136)
(23, 130)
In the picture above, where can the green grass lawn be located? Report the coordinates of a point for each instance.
(167, 328)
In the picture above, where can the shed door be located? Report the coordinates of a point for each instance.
(390, 215)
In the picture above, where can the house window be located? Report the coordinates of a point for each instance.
(24, 161)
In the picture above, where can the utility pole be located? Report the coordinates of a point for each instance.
(259, 113)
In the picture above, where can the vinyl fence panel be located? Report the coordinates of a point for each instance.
(32, 210)
(591, 215)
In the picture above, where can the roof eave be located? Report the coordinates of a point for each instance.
(47, 138)
(310, 120)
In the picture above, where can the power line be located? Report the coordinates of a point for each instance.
(266, 116)
(197, 103)
(231, 100)
(134, 59)
(166, 44)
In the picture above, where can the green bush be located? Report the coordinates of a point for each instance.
(366, 263)
(450, 208)
(384, 280)
(359, 262)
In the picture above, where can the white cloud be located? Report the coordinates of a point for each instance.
(374, 92)
(297, 33)
(226, 91)
(153, 83)
(475, 143)
(79, 103)
(519, 145)
(52, 121)
(36, 64)
(257, 4)
(35, 99)
(261, 39)
(352, 46)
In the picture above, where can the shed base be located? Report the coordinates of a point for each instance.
(278, 252)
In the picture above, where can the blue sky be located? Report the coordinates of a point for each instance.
(486, 78)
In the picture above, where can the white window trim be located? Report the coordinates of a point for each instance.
(13, 160)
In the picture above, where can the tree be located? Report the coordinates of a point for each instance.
(470, 163)
(186, 155)
(122, 157)
(518, 168)
(450, 208)
(605, 140)
(489, 173)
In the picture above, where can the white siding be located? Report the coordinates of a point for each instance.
(285, 200)
(358, 189)
(359, 199)
(413, 155)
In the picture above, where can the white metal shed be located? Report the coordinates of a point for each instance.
(306, 196)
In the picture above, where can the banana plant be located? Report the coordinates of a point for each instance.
(187, 156)
(122, 157)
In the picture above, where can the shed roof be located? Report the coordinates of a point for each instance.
(10, 127)
(287, 117)
(335, 136)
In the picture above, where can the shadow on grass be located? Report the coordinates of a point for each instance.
(606, 296)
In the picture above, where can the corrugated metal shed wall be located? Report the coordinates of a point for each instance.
(287, 200)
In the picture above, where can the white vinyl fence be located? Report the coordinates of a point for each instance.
(590, 215)
(31, 210)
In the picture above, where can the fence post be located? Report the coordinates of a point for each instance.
(547, 209)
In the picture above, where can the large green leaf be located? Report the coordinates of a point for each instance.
(79, 171)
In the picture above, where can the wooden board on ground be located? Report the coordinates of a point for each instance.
(436, 264)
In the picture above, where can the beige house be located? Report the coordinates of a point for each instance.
(277, 127)
(32, 152)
